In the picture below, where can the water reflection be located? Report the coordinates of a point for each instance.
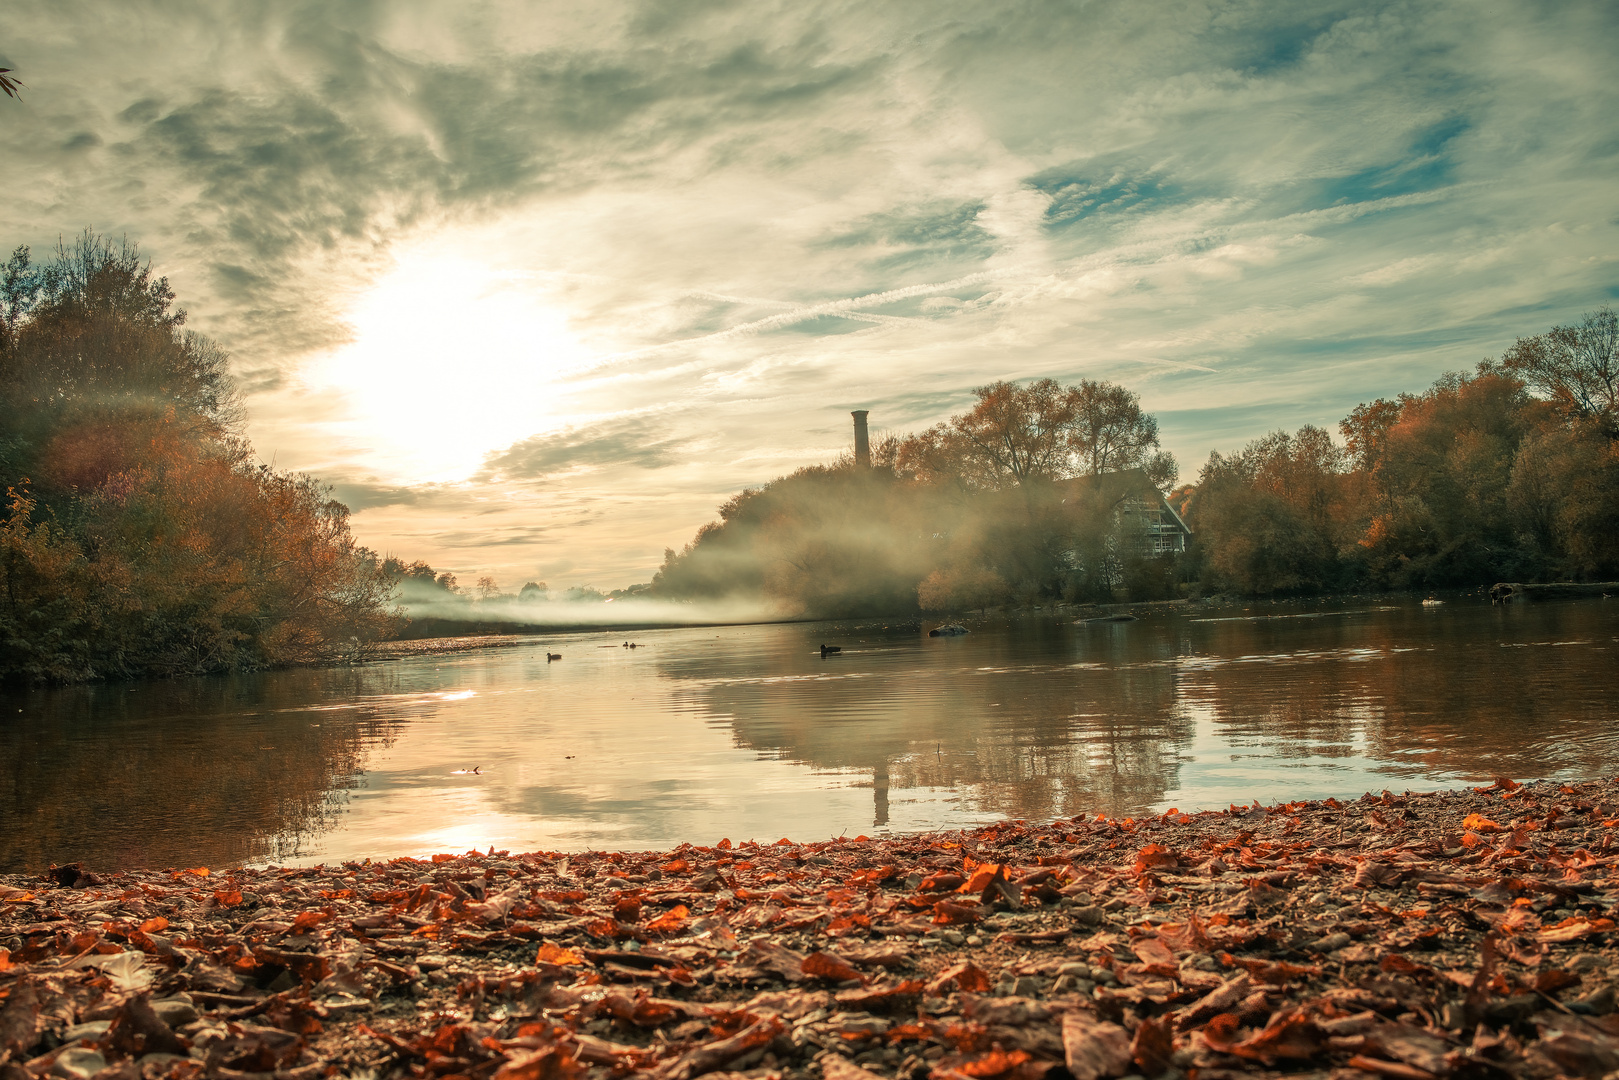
(186, 772)
(748, 732)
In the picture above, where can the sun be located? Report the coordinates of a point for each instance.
(449, 360)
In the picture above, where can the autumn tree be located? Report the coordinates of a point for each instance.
(1013, 435)
(1275, 516)
(136, 506)
(1017, 435)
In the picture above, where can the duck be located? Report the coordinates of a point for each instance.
(550, 656)
(831, 650)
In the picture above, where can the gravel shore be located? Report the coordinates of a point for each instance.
(1463, 933)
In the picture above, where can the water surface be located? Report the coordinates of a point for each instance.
(748, 733)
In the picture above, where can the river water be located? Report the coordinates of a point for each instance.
(748, 733)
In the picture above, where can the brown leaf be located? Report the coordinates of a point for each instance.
(997, 1062)
(1155, 857)
(1575, 928)
(1373, 872)
(1092, 1048)
(964, 975)
(710, 1056)
(136, 1030)
(946, 913)
(19, 1019)
(823, 965)
(784, 962)
(1153, 1046)
(548, 1063)
(1153, 953)
(1392, 1069)
(902, 996)
(1217, 1001)
(1582, 1053)
(1555, 979)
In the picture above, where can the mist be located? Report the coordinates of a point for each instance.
(435, 606)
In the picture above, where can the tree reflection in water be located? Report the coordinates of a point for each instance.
(1032, 718)
(1051, 718)
(211, 771)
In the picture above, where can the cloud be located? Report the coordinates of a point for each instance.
(631, 442)
(359, 496)
(752, 217)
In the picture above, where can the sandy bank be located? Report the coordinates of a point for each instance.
(1466, 933)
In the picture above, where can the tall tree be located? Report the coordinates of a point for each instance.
(1017, 435)
(1577, 367)
(1110, 433)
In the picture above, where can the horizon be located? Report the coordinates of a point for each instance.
(536, 292)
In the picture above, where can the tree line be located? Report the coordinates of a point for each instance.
(140, 535)
(1043, 493)
(1509, 472)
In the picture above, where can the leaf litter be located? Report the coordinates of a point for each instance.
(1465, 934)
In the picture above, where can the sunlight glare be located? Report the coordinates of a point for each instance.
(450, 360)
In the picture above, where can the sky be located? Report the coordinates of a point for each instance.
(537, 286)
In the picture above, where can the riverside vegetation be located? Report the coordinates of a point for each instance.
(1465, 934)
(140, 536)
(1508, 472)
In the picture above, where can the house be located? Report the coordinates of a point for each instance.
(1137, 506)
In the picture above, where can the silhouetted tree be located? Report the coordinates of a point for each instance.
(1576, 367)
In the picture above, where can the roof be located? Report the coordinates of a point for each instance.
(1116, 486)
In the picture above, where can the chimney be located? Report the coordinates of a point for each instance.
(862, 444)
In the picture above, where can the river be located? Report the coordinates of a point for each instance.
(747, 732)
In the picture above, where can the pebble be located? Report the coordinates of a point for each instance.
(78, 1063)
(1077, 970)
(1088, 915)
(175, 1011)
(94, 1029)
(1330, 943)
(954, 937)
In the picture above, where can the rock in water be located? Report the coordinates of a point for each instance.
(948, 630)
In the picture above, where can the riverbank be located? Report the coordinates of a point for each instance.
(1465, 933)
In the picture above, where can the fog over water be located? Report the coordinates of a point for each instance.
(747, 732)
